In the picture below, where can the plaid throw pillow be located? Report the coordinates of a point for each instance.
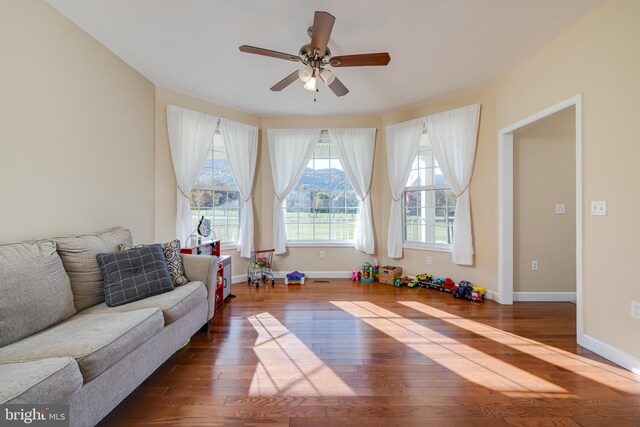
(134, 274)
(172, 255)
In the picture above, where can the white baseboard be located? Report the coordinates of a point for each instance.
(238, 279)
(309, 274)
(544, 296)
(492, 295)
(607, 351)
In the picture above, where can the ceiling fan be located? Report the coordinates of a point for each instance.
(315, 56)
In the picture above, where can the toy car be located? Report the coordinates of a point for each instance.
(412, 283)
(464, 290)
(437, 284)
(424, 280)
(449, 285)
(398, 282)
(477, 294)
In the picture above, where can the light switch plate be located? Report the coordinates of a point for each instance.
(560, 209)
(429, 260)
(598, 207)
(635, 309)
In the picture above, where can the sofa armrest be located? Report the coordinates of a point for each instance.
(203, 268)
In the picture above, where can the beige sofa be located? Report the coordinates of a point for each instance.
(59, 341)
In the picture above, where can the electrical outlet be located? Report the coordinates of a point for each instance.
(322, 254)
(598, 208)
(561, 209)
(429, 260)
(534, 265)
(635, 309)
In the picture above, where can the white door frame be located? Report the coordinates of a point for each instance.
(505, 204)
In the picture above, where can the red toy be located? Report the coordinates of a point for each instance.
(449, 285)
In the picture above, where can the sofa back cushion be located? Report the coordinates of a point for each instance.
(34, 289)
(79, 258)
(134, 274)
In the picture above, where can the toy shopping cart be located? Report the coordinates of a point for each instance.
(260, 267)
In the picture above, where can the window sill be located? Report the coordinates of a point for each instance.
(319, 243)
(228, 246)
(435, 247)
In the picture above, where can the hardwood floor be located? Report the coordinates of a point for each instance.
(350, 354)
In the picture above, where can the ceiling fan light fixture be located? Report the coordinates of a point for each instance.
(305, 74)
(312, 84)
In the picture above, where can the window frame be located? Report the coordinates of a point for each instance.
(428, 246)
(324, 138)
(219, 188)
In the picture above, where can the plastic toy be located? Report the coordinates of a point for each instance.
(424, 280)
(366, 273)
(477, 294)
(376, 270)
(259, 267)
(355, 275)
(295, 278)
(437, 284)
(412, 283)
(464, 290)
(398, 282)
(449, 285)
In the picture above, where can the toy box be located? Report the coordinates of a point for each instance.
(389, 274)
(294, 279)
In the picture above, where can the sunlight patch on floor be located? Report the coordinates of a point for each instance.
(288, 365)
(608, 375)
(470, 364)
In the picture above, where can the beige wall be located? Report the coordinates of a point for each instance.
(544, 174)
(76, 130)
(483, 196)
(598, 57)
(165, 178)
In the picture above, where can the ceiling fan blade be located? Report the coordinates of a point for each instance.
(365, 59)
(338, 88)
(322, 26)
(285, 82)
(266, 52)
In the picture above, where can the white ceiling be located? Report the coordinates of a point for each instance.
(437, 47)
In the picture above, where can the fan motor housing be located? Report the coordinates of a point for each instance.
(307, 57)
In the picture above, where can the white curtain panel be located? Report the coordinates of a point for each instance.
(453, 135)
(241, 147)
(356, 148)
(403, 140)
(289, 151)
(190, 136)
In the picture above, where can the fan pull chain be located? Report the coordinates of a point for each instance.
(315, 94)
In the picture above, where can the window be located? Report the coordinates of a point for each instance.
(215, 195)
(429, 203)
(324, 206)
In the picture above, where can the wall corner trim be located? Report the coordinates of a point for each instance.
(615, 355)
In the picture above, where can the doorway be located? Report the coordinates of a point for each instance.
(506, 204)
(544, 222)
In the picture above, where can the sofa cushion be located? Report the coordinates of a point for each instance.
(78, 255)
(174, 304)
(46, 381)
(134, 274)
(96, 341)
(34, 289)
(174, 261)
